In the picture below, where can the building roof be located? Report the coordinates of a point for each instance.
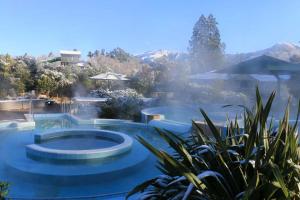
(80, 64)
(266, 65)
(209, 76)
(66, 52)
(263, 68)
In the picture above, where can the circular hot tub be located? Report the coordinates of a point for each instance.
(78, 145)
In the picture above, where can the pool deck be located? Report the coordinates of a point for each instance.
(12, 115)
(175, 127)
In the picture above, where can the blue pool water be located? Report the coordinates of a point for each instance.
(37, 179)
(78, 143)
(186, 114)
(44, 124)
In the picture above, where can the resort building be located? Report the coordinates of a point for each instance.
(268, 72)
(70, 57)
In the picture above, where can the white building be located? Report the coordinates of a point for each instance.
(70, 57)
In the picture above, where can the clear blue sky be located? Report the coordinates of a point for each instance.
(40, 26)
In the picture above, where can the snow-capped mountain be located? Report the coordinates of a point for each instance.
(153, 56)
(285, 51)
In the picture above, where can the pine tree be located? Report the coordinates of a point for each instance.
(206, 49)
(90, 54)
(103, 52)
(96, 53)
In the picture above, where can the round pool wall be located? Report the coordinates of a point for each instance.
(121, 144)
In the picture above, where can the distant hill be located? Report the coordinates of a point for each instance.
(153, 56)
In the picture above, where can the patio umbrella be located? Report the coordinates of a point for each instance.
(110, 76)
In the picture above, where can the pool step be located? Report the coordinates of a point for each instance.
(176, 127)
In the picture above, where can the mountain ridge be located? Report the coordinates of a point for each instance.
(286, 51)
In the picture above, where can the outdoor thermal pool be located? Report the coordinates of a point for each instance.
(60, 158)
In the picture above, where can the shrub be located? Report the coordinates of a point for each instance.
(143, 81)
(115, 93)
(257, 161)
(127, 107)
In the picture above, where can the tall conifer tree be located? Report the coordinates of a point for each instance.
(205, 47)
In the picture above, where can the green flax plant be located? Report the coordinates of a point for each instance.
(3, 190)
(258, 161)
